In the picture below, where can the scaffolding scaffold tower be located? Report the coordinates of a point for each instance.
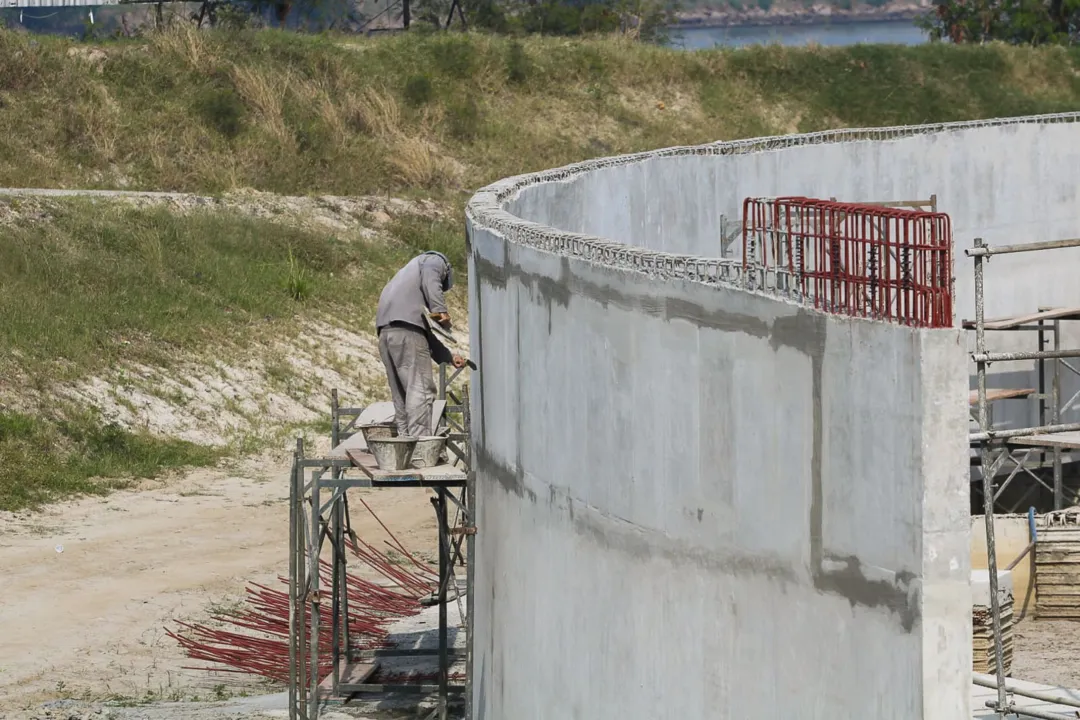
(319, 516)
(995, 447)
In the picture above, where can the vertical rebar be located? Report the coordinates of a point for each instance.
(1055, 418)
(988, 481)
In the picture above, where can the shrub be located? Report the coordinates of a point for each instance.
(463, 117)
(419, 90)
(221, 109)
(518, 66)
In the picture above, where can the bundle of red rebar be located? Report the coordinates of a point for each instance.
(255, 640)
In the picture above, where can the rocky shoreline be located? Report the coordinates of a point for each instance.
(816, 15)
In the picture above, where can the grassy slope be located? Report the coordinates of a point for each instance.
(406, 115)
(409, 114)
(98, 285)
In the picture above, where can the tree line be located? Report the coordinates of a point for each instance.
(1018, 22)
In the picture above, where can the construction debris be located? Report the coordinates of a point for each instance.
(1057, 566)
(255, 639)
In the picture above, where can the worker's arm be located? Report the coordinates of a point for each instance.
(432, 269)
(440, 353)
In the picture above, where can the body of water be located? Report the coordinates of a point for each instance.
(895, 32)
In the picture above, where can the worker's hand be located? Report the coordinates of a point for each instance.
(442, 318)
(459, 362)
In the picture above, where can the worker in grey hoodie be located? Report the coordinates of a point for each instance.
(407, 344)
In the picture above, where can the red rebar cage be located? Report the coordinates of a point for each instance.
(869, 261)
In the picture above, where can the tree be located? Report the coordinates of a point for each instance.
(1020, 22)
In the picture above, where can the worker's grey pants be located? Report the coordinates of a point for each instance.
(407, 358)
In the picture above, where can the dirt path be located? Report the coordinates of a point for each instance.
(87, 587)
(1047, 651)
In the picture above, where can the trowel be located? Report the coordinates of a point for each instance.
(442, 332)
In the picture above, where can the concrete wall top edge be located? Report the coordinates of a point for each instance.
(487, 208)
(495, 195)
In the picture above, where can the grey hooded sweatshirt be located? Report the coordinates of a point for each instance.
(421, 282)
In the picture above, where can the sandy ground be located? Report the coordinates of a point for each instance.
(88, 587)
(1048, 652)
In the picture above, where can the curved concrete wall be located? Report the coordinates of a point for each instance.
(1007, 181)
(695, 501)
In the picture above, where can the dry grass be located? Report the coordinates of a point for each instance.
(420, 164)
(214, 111)
(266, 96)
(374, 111)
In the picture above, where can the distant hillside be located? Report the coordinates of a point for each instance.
(722, 13)
(292, 113)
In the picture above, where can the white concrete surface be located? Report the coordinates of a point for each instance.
(697, 501)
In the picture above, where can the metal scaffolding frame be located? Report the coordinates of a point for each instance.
(1029, 453)
(315, 519)
(993, 444)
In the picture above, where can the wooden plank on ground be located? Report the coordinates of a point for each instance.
(354, 674)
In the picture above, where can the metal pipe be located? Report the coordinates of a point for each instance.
(444, 571)
(469, 520)
(335, 419)
(987, 681)
(1026, 355)
(346, 527)
(314, 546)
(986, 251)
(1055, 417)
(301, 585)
(1028, 712)
(1021, 556)
(293, 495)
(1042, 386)
(987, 479)
(335, 593)
(1021, 432)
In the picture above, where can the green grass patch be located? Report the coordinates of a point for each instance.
(101, 284)
(420, 234)
(45, 459)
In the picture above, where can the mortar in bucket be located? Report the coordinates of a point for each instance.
(428, 451)
(378, 431)
(392, 453)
